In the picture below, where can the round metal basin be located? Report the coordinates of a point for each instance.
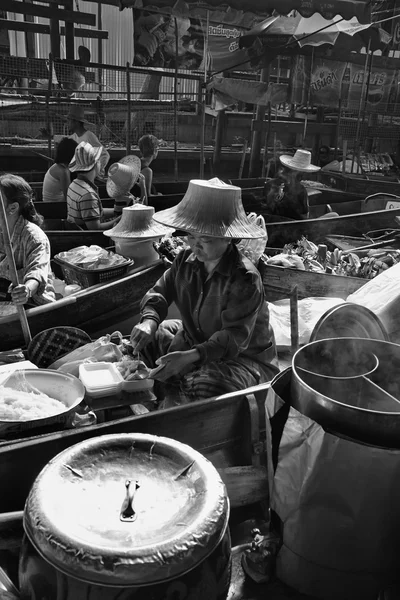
(334, 382)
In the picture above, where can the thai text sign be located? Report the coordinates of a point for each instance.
(324, 82)
(155, 37)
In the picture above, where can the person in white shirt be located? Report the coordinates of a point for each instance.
(76, 124)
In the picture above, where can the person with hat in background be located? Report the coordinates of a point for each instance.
(84, 206)
(76, 124)
(223, 341)
(122, 176)
(148, 146)
(285, 195)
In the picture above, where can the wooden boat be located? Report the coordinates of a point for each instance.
(322, 195)
(316, 230)
(229, 430)
(105, 305)
(361, 184)
(55, 212)
(279, 283)
(279, 233)
(91, 309)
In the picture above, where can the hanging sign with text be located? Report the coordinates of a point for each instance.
(323, 82)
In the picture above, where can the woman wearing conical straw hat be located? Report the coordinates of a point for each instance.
(285, 195)
(223, 341)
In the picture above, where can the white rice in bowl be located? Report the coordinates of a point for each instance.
(16, 405)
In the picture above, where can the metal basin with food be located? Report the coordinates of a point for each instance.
(65, 388)
(334, 382)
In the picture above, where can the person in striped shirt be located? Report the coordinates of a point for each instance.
(83, 202)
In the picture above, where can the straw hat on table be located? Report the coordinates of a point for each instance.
(212, 208)
(137, 223)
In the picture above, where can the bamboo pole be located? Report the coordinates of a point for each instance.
(203, 107)
(128, 115)
(363, 92)
(266, 142)
(308, 99)
(13, 269)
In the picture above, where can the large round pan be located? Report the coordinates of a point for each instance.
(365, 408)
(61, 386)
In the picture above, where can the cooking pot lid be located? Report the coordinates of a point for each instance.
(127, 509)
(349, 320)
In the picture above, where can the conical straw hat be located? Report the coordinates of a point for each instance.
(211, 208)
(121, 178)
(301, 161)
(137, 222)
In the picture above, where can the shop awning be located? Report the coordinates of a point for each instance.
(327, 8)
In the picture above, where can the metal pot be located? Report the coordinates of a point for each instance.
(61, 386)
(365, 408)
(133, 511)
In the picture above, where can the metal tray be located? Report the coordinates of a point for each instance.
(349, 320)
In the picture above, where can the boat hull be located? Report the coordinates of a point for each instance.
(93, 309)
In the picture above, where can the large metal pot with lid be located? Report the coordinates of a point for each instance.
(126, 516)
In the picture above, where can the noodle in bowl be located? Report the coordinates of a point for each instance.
(58, 397)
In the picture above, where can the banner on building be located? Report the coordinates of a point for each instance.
(155, 36)
(326, 81)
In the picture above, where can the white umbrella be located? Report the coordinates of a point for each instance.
(311, 31)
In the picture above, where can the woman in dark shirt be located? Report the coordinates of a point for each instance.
(223, 341)
(285, 195)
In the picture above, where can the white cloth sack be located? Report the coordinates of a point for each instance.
(310, 310)
(382, 296)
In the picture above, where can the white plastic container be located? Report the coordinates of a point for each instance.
(104, 379)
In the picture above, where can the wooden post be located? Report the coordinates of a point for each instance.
(176, 102)
(55, 43)
(129, 110)
(337, 129)
(219, 132)
(294, 319)
(203, 96)
(69, 33)
(266, 142)
(256, 138)
(49, 124)
(100, 48)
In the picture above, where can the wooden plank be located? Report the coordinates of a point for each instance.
(217, 427)
(45, 29)
(279, 281)
(48, 12)
(281, 127)
(316, 230)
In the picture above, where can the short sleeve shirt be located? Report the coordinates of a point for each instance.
(83, 203)
(279, 200)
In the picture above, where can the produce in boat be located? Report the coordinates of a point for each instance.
(304, 254)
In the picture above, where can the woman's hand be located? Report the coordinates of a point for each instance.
(176, 363)
(143, 333)
(20, 294)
